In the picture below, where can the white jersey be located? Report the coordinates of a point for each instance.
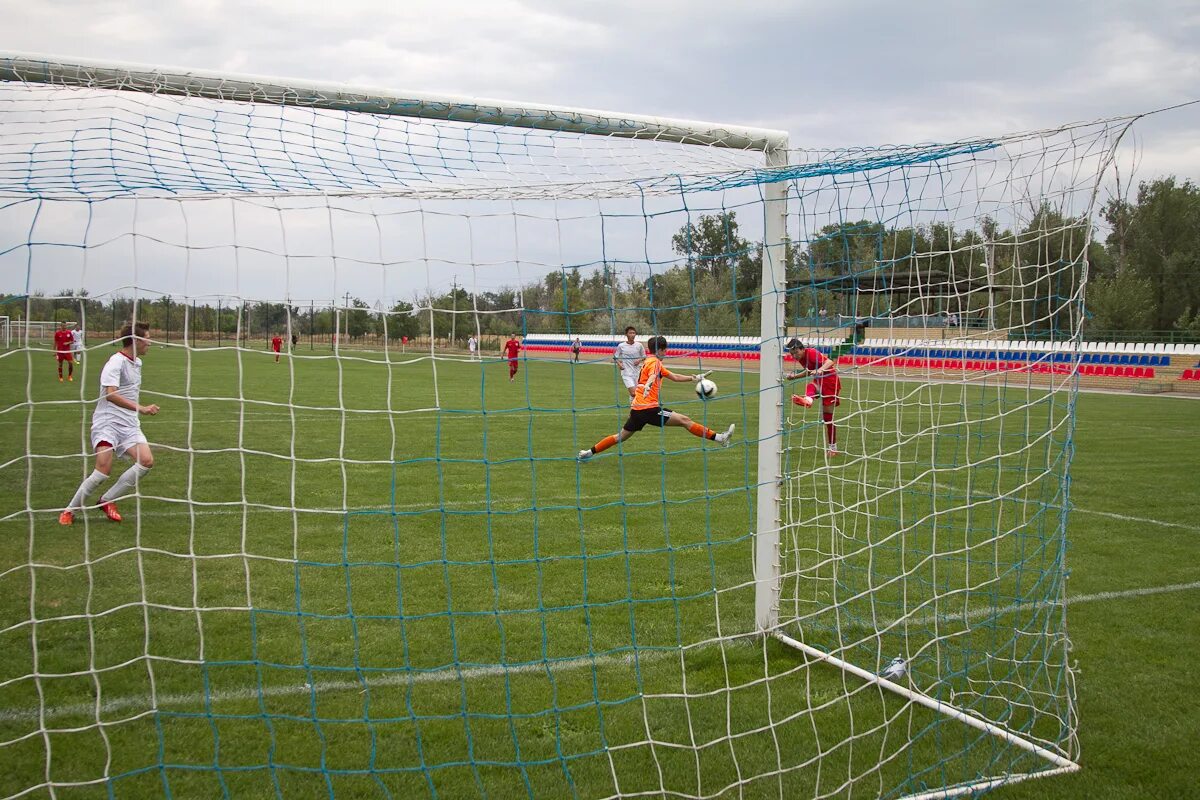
(630, 357)
(77, 339)
(471, 344)
(126, 374)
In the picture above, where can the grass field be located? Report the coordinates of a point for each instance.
(371, 597)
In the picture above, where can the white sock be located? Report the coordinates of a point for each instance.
(89, 485)
(125, 483)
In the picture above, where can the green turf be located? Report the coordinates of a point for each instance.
(449, 543)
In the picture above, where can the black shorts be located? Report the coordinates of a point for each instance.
(641, 417)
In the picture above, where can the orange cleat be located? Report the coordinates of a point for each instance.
(66, 518)
(802, 401)
(70, 379)
(833, 453)
(110, 511)
(60, 378)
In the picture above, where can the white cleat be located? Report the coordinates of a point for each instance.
(802, 400)
(584, 455)
(726, 438)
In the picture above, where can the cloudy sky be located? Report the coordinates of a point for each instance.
(831, 74)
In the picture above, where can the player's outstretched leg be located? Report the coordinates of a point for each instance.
(90, 484)
(696, 429)
(604, 444)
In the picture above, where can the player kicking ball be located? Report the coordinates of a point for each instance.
(645, 409)
(825, 386)
(116, 427)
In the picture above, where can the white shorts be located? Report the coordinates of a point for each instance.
(630, 381)
(121, 438)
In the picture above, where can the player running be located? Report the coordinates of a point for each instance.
(629, 356)
(116, 427)
(645, 409)
(63, 352)
(512, 348)
(277, 346)
(825, 385)
(77, 343)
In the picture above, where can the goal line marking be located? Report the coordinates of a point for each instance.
(118, 704)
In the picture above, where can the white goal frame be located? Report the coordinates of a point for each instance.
(75, 72)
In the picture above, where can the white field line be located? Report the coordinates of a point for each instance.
(455, 674)
(1145, 520)
(545, 501)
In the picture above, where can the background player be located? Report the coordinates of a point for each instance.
(277, 345)
(512, 349)
(77, 343)
(63, 352)
(576, 346)
(629, 356)
(645, 408)
(116, 427)
(825, 386)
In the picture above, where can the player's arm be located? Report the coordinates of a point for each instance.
(675, 376)
(117, 399)
(827, 366)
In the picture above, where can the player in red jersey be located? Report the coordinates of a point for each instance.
(645, 409)
(63, 343)
(511, 349)
(277, 345)
(825, 385)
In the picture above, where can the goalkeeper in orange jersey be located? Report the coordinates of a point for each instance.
(644, 408)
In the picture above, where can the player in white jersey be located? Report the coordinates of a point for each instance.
(629, 356)
(472, 345)
(116, 428)
(77, 343)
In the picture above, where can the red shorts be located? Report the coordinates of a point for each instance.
(65, 356)
(829, 388)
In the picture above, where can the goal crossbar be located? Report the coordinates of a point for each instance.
(68, 71)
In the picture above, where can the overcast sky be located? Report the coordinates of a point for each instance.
(831, 74)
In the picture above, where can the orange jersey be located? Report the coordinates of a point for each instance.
(62, 341)
(649, 381)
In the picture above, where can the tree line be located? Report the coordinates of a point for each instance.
(1144, 277)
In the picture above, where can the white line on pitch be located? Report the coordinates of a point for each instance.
(448, 675)
(999, 611)
(1147, 520)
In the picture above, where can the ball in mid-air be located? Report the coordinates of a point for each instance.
(706, 389)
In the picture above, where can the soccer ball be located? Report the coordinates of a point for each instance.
(706, 389)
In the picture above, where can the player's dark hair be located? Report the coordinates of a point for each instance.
(794, 344)
(131, 330)
(631, 328)
(657, 344)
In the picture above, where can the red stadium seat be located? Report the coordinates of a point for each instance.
(1188, 375)
(1110, 371)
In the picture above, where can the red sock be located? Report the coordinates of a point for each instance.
(696, 429)
(70, 368)
(810, 390)
(604, 444)
(60, 369)
(830, 429)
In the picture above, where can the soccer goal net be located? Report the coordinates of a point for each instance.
(369, 559)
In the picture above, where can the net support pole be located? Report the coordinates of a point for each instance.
(770, 396)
